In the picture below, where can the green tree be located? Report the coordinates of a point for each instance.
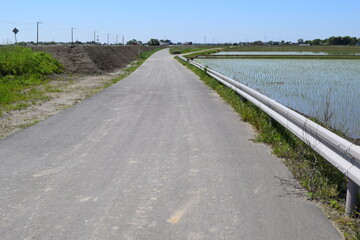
(353, 40)
(132, 42)
(154, 42)
(316, 41)
(258, 42)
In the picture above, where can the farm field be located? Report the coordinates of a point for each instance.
(340, 49)
(290, 53)
(325, 89)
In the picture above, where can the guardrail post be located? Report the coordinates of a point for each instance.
(351, 196)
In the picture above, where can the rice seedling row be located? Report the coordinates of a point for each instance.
(325, 89)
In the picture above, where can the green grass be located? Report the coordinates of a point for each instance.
(127, 71)
(18, 61)
(21, 70)
(322, 181)
(189, 48)
(202, 53)
(145, 55)
(142, 58)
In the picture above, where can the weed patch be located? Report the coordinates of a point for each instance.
(142, 58)
(188, 49)
(21, 70)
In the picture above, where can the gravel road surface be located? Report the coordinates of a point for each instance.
(156, 156)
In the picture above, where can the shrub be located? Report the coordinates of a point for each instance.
(22, 68)
(16, 60)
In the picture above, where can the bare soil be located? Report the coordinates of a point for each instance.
(93, 59)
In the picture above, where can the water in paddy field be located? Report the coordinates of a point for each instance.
(316, 88)
(245, 53)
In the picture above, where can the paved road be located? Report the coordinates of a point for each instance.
(156, 156)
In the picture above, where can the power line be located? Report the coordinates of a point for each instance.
(55, 28)
(87, 32)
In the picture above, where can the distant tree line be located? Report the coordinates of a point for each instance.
(347, 40)
(58, 43)
(151, 42)
(328, 41)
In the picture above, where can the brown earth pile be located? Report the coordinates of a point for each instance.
(93, 59)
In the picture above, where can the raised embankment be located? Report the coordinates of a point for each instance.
(93, 59)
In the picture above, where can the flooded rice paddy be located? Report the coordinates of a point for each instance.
(319, 88)
(245, 53)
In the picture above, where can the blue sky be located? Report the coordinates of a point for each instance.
(179, 21)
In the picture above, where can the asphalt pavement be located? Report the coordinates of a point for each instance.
(157, 155)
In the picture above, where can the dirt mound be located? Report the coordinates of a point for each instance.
(93, 59)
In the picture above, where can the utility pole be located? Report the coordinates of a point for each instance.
(37, 32)
(123, 40)
(72, 35)
(95, 36)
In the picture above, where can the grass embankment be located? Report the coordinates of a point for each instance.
(127, 71)
(21, 70)
(189, 48)
(202, 53)
(322, 181)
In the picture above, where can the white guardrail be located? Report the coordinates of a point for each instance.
(341, 153)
